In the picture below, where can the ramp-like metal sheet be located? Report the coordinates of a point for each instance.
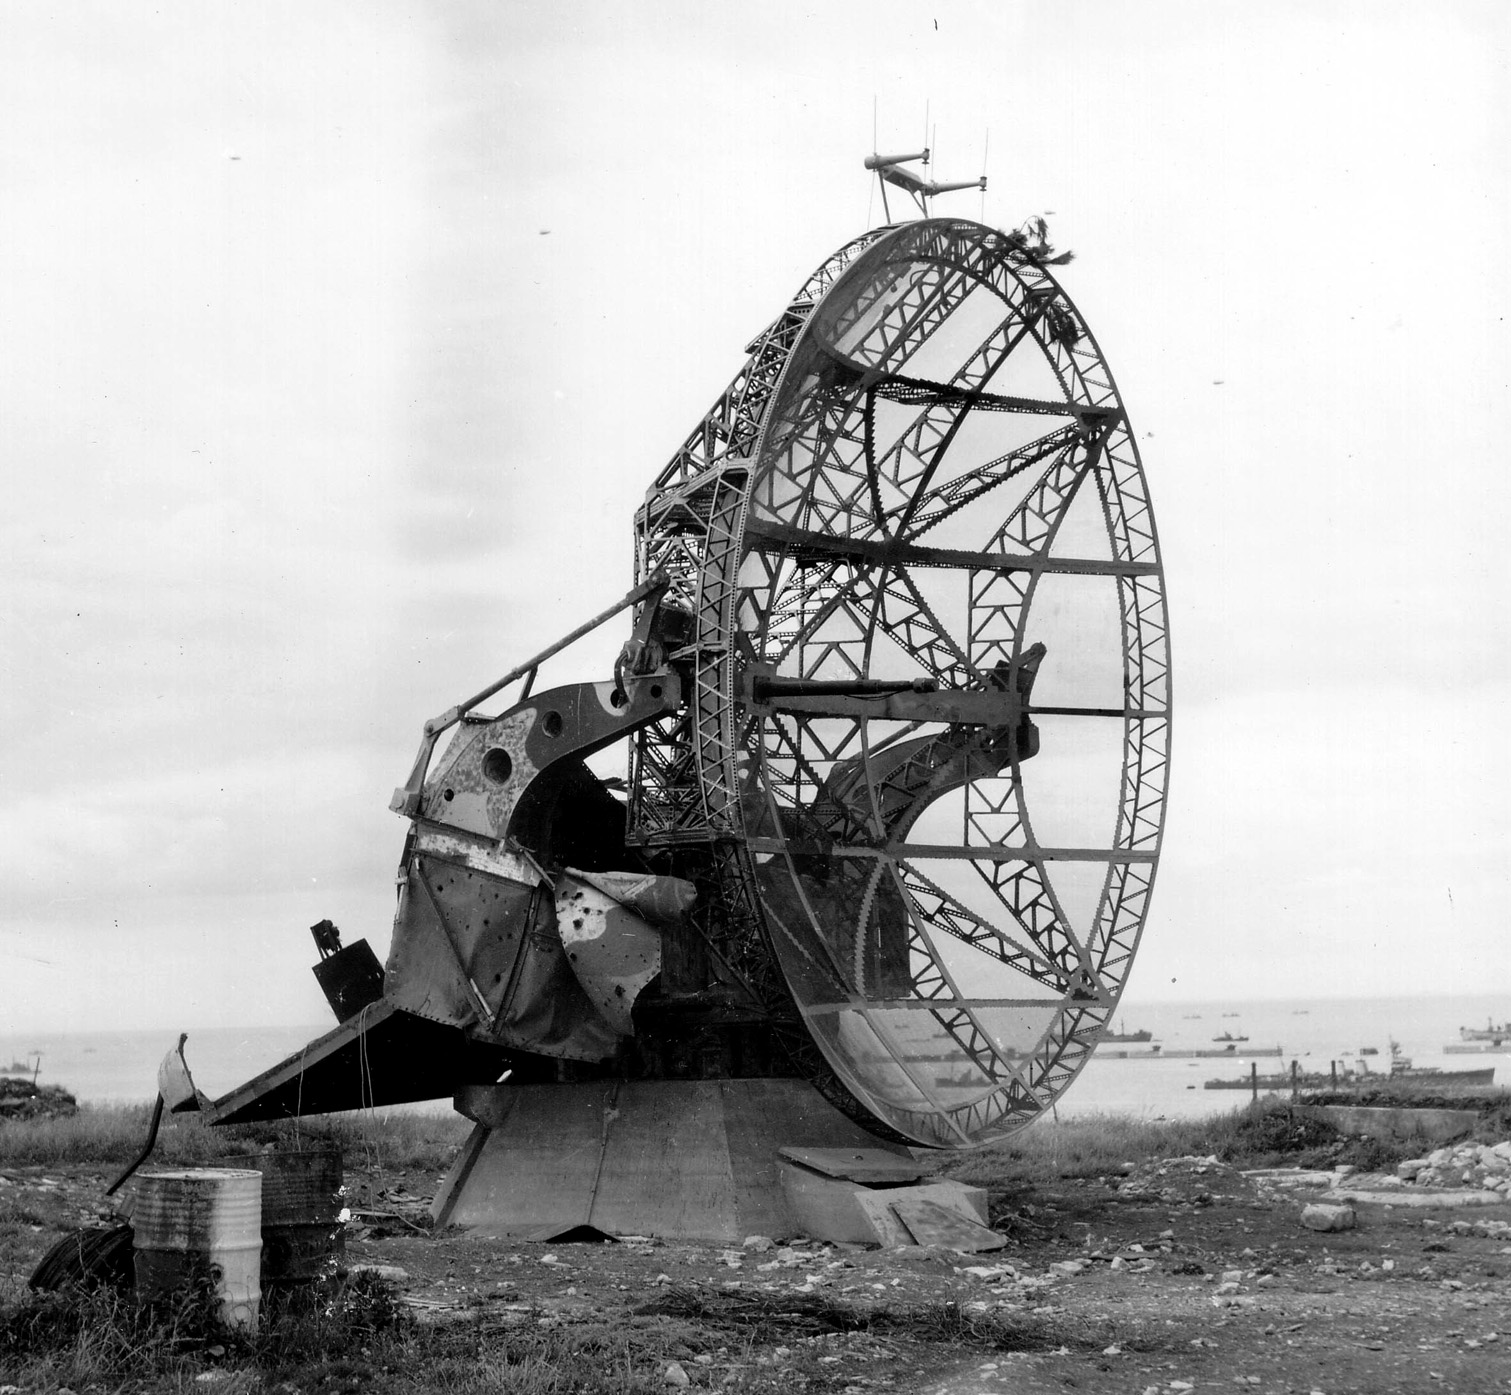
(380, 1056)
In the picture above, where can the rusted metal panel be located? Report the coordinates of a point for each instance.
(482, 952)
(489, 780)
(613, 950)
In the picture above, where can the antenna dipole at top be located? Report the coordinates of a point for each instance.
(889, 170)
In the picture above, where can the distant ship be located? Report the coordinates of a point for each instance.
(1228, 1036)
(1401, 1071)
(1128, 1036)
(1401, 1068)
(1489, 1032)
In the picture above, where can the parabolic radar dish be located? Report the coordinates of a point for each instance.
(926, 717)
(897, 707)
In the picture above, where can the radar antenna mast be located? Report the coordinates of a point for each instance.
(890, 170)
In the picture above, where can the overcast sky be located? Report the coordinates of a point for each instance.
(340, 342)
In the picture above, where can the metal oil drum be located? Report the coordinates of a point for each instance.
(303, 1237)
(200, 1225)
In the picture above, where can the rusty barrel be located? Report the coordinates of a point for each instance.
(200, 1226)
(303, 1237)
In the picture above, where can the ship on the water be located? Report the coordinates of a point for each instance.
(1120, 1035)
(1228, 1036)
(1359, 1076)
(1489, 1032)
(31, 1067)
(1321, 1080)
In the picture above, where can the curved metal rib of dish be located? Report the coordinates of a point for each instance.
(944, 491)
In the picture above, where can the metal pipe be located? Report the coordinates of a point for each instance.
(406, 799)
(765, 688)
(880, 162)
(157, 1118)
(657, 581)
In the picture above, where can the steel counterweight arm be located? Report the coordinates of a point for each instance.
(406, 799)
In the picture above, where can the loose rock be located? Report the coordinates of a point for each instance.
(1323, 1216)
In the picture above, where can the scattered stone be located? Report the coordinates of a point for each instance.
(676, 1375)
(991, 1272)
(1483, 1165)
(759, 1242)
(1324, 1216)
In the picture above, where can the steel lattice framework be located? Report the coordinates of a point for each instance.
(923, 463)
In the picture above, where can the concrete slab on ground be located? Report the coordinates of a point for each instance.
(678, 1159)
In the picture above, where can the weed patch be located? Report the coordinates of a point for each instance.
(1279, 1132)
(1094, 1146)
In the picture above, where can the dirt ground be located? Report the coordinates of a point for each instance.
(1175, 1276)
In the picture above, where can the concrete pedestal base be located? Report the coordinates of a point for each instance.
(679, 1159)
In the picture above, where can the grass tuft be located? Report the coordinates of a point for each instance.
(360, 1339)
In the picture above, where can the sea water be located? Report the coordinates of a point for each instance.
(120, 1067)
(1313, 1032)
